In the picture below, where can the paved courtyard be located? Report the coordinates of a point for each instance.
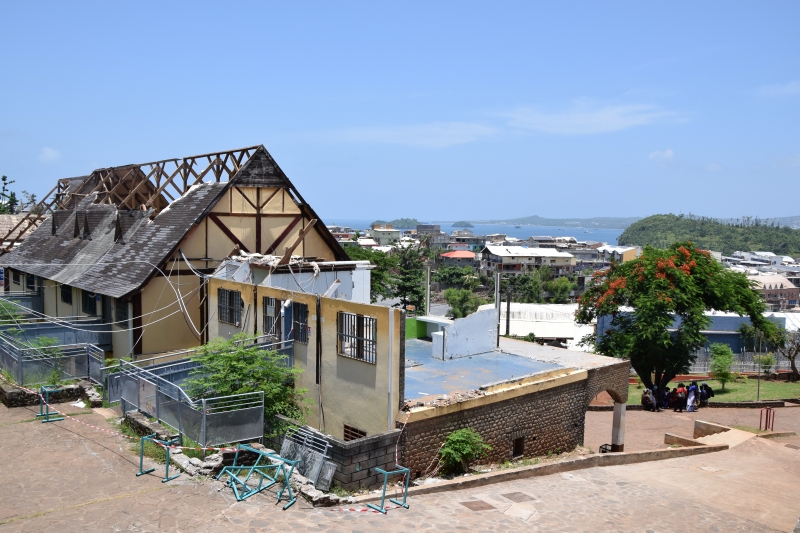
(68, 477)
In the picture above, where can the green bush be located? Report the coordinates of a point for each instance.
(461, 448)
(721, 361)
(765, 361)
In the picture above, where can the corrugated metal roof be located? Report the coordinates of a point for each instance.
(522, 251)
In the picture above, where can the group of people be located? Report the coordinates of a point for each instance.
(680, 398)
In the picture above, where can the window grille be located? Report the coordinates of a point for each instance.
(89, 302)
(272, 317)
(15, 277)
(351, 433)
(229, 306)
(30, 282)
(300, 322)
(121, 312)
(357, 336)
(66, 294)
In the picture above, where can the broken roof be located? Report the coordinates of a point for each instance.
(116, 227)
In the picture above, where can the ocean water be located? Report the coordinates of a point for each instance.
(582, 234)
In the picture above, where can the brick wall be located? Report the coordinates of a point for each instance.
(613, 378)
(548, 420)
(356, 460)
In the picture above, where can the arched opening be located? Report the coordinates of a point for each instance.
(606, 408)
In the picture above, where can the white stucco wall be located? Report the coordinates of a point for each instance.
(471, 335)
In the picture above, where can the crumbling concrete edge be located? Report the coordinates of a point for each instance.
(580, 463)
(776, 434)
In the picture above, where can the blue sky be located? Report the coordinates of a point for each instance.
(427, 109)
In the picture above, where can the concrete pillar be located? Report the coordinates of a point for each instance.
(618, 428)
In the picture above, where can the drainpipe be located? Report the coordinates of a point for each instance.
(390, 408)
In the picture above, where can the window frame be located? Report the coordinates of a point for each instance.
(121, 318)
(66, 290)
(227, 310)
(357, 337)
(300, 322)
(274, 329)
(30, 282)
(85, 299)
(15, 278)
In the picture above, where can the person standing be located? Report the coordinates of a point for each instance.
(691, 398)
(680, 398)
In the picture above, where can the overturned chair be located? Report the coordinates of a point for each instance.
(270, 469)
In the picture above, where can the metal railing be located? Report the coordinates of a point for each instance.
(32, 300)
(35, 365)
(156, 391)
(742, 362)
(208, 421)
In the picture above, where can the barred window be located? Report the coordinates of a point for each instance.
(66, 294)
(351, 433)
(272, 317)
(357, 336)
(30, 282)
(15, 278)
(121, 312)
(89, 302)
(300, 322)
(230, 306)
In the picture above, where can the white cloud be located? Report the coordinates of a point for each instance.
(48, 155)
(662, 155)
(715, 167)
(585, 118)
(433, 135)
(781, 89)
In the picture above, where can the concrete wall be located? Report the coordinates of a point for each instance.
(474, 334)
(346, 391)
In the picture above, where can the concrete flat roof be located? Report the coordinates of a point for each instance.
(435, 377)
(556, 356)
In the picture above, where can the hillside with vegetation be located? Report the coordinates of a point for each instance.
(400, 223)
(595, 222)
(746, 234)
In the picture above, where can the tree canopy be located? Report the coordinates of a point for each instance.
(382, 278)
(411, 278)
(657, 306)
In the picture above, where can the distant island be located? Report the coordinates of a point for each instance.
(462, 224)
(596, 222)
(746, 234)
(400, 223)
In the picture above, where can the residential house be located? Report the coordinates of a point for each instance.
(777, 290)
(518, 259)
(618, 254)
(385, 234)
(129, 244)
(459, 258)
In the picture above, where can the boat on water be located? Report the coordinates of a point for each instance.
(517, 226)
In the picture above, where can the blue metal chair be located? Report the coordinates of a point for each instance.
(400, 470)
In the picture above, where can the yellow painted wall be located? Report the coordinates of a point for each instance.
(172, 333)
(353, 392)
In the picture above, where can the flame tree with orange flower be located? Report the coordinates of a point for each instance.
(656, 305)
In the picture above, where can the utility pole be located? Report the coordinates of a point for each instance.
(428, 290)
(508, 311)
(497, 303)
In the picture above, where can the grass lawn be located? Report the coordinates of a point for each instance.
(740, 391)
